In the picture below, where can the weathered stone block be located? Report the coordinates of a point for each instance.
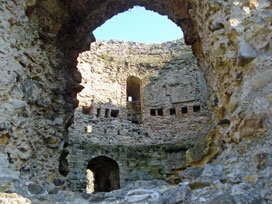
(246, 53)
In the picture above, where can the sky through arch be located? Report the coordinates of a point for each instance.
(139, 25)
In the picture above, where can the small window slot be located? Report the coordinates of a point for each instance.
(86, 109)
(153, 112)
(184, 110)
(160, 111)
(196, 108)
(114, 113)
(172, 111)
(98, 112)
(130, 99)
(107, 113)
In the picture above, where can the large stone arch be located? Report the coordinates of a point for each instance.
(219, 41)
(79, 30)
(231, 39)
(74, 36)
(66, 26)
(73, 21)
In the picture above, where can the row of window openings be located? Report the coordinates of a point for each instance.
(153, 112)
(108, 113)
(172, 111)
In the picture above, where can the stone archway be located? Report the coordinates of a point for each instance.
(221, 34)
(134, 99)
(102, 175)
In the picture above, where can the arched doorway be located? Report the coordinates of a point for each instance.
(102, 175)
(134, 101)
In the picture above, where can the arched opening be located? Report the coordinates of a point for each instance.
(144, 28)
(220, 39)
(134, 101)
(102, 175)
(135, 109)
(78, 31)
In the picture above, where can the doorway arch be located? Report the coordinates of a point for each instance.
(102, 175)
(134, 102)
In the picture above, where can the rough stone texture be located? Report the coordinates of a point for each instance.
(142, 196)
(32, 115)
(13, 198)
(39, 84)
(156, 162)
(170, 79)
(176, 194)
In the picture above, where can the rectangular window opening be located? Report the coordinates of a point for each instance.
(114, 113)
(172, 111)
(184, 110)
(107, 113)
(153, 112)
(196, 108)
(160, 111)
(98, 112)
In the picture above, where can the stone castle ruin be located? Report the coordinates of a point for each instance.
(95, 122)
(138, 96)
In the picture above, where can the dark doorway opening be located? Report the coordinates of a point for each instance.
(102, 175)
(134, 106)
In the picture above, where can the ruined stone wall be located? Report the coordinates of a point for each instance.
(231, 40)
(170, 79)
(140, 162)
(32, 109)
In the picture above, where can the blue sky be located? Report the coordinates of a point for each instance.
(139, 25)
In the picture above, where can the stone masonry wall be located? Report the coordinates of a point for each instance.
(141, 162)
(231, 40)
(170, 79)
(32, 114)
